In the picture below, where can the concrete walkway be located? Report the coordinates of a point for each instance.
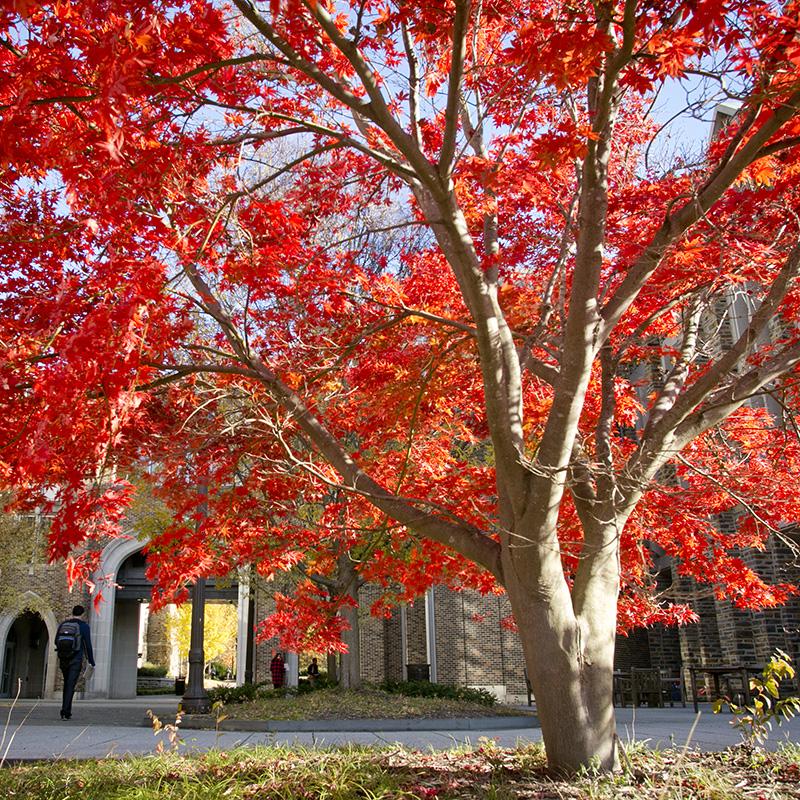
(101, 728)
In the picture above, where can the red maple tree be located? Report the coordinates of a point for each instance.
(399, 280)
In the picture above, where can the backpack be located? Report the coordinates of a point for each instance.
(68, 638)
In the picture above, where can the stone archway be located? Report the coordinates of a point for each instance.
(114, 629)
(33, 603)
(101, 620)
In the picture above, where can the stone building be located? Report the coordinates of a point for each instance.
(33, 598)
(449, 637)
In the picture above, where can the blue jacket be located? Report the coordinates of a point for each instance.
(86, 639)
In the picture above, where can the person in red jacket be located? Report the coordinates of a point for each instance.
(277, 670)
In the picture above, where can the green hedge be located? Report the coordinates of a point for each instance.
(426, 689)
(151, 671)
(321, 682)
(235, 694)
(228, 695)
(251, 691)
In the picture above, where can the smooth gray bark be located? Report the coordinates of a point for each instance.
(350, 661)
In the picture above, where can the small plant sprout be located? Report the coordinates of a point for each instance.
(754, 721)
(170, 729)
(218, 712)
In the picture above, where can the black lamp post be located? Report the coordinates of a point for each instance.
(195, 699)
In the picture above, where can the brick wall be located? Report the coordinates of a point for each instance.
(393, 648)
(633, 650)
(372, 638)
(263, 606)
(450, 629)
(473, 648)
(416, 642)
(48, 582)
(39, 587)
(730, 636)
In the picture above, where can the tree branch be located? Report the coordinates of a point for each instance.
(160, 80)
(413, 84)
(679, 373)
(678, 222)
(337, 90)
(460, 536)
(707, 383)
(377, 110)
(178, 371)
(458, 51)
(705, 403)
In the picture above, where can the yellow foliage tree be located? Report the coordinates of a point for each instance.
(220, 631)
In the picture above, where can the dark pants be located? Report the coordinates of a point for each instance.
(71, 670)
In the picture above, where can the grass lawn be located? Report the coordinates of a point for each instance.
(367, 703)
(396, 774)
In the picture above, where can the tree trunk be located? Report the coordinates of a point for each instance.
(350, 677)
(570, 662)
(350, 672)
(333, 671)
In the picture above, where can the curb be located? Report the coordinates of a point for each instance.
(206, 722)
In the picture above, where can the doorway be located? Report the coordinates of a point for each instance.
(25, 654)
(125, 632)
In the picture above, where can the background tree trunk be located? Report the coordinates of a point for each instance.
(350, 672)
(350, 677)
(333, 672)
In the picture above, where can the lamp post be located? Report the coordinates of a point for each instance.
(250, 645)
(195, 698)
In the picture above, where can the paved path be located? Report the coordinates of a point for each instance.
(101, 728)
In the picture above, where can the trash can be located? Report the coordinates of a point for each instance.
(180, 686)
(418, 672)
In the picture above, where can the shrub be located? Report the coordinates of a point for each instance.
(322, 682)
(235, 694)
(754, 722)
(217, 671)
(148, 670)
(426, 689)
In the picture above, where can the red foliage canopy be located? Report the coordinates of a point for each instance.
(213, 231)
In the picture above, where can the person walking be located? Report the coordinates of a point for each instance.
(277, 670)
(73, 642)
